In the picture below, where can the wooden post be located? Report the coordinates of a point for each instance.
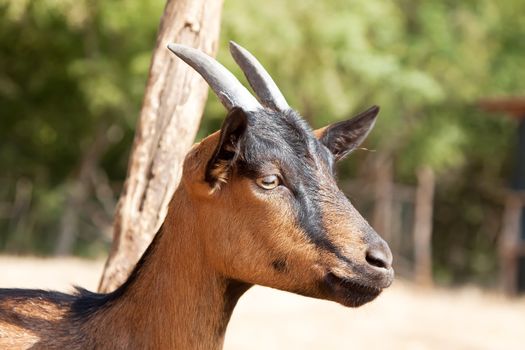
(509, 242)
(512, 264)
(423, 226)
(173, 104)
(383, 191)
(518, 184)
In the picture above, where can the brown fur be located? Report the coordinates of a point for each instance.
(185, 291)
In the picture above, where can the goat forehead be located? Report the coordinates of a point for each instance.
(284, 138)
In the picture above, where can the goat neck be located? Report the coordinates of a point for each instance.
(176, 301)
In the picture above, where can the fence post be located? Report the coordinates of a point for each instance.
(423, 226)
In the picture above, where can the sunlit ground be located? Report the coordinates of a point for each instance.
(404, 317)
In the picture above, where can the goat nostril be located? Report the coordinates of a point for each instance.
(377, 258)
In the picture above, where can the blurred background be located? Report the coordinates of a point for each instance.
(442, 175)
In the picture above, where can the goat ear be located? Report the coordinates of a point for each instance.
(343, 137)
(228, 148)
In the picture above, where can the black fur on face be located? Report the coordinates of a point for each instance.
(283, 141)
(268, 142)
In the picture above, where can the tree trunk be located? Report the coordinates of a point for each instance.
(173, 104)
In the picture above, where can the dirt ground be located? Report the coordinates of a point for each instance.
(404, 317)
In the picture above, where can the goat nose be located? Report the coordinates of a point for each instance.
(379, 255)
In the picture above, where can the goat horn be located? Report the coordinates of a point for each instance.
(223, 83)
(262, 84)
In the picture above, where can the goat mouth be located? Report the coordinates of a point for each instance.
(349, 292)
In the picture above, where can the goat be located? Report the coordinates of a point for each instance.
(258, 203)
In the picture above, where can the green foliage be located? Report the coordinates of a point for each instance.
(69, 68)
(72, 67)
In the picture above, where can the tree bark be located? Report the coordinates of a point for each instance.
(173, 104)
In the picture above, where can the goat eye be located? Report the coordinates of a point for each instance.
(268, 182)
